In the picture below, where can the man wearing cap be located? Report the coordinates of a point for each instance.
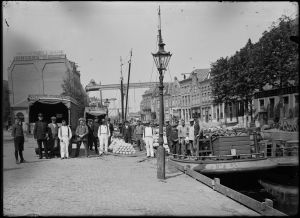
(103, 134)
(127, 132)
(64, 135)
(148, 138)
(111, 129)
(182, 134)
(41, 134)
(81, 133)
(191, 137)
(139, 129)
(90, 134)
(168, 132)
(18, 135)
(174, 139)
(53, 139)
(95, 133)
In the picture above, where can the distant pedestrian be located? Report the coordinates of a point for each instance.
(198, 133)
(111, 129)
(90, 134)
(182, 134)
(174, 139)
(168, 133)
(148, 138)
(127, 132)
(139, 130)
(18, 135)
(103, 135)
(191, 136)
(41, 134)
(64, 135)
(53, 142)
(81, 133)
(95, 132)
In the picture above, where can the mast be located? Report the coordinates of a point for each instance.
(122, 94)
(128, 85)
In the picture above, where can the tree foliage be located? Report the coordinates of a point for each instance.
(73, 88)
(272, 60)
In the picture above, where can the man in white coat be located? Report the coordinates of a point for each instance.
(148, 139)
(64, 135)
(103, 135)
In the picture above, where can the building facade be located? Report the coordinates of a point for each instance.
(43, 74)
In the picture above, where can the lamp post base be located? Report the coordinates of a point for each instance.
(161, 162)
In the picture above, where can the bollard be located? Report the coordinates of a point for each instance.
(269, 202)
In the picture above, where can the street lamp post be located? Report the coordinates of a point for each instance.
(161, 59)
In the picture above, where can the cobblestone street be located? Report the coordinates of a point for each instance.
(110, 185)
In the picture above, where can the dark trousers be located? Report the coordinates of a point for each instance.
(53, 144)
(19, 147)
(86, 148)
(44, 142)
(109, 140)
(95, 142)
(127, 139)
(139, 141)
(91, 142)
(174, 147)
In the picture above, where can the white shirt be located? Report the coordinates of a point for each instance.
(103, 129)
(63, 132)
(148, 131)
(191, 133)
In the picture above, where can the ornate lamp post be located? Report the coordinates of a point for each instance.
(161, 59)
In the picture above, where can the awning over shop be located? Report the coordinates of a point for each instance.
(51, 99)
(95, 111)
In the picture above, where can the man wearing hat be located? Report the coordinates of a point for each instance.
(53, 139)
(139, 129)
(148, 138)
(182, 134)
(103, 134)
(95, 128)
(168, 132)
(190, 146)
(90, 134)
(65, 135)
(18, 135)
(174, 139)
(111, 129)
(41, 134)
(127, 132)
(81, 133)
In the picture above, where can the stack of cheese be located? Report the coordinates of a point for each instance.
(119, 146)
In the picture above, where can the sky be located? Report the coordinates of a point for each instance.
(96, 34)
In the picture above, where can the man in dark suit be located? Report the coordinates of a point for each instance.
(41, 134)
(111, 129)
(95, 132)
(90, 134)
(127, 132)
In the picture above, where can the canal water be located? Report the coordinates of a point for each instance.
(279, 184)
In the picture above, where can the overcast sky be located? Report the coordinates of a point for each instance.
(96, 34)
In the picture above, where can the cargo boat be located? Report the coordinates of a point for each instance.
(226, 154)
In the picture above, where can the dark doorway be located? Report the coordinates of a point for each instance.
(59, 110)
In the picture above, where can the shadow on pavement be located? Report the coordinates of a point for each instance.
(9, 169)
(179, 174)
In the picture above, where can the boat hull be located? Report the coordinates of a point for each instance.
(229, 166)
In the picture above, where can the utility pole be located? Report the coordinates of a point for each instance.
(122, 94)
(128, 84)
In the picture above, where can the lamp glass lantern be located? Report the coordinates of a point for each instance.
(161, 58)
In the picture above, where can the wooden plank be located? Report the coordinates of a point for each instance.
(200, 177)
(255, 205)
(233, 138)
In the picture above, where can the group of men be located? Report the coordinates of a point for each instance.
(182, 139)
(90, 134)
